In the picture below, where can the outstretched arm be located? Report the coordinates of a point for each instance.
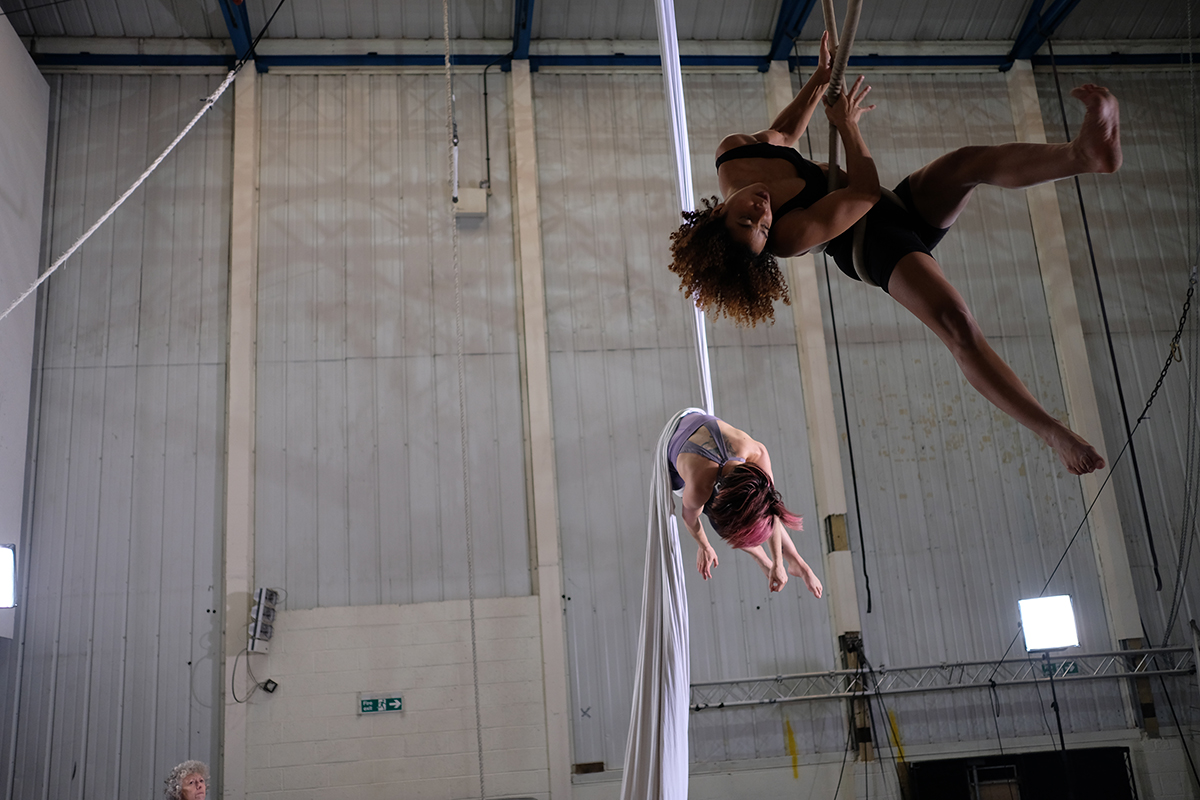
(833, 214)
(706, 556)
(778, 576)
(793, 120)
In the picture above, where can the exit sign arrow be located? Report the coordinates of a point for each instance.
(373, 704)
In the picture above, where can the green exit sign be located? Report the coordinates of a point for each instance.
(1066, 668)
(376, 704)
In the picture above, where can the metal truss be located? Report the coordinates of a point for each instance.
(848, 684)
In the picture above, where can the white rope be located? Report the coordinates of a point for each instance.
(673, 84)
(150, 169)
(452, 157)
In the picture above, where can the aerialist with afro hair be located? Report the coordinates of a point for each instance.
(777, 205)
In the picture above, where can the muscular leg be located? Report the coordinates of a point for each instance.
(942, 187)
(919, 285)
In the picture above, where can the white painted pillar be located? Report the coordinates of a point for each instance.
(547, 578)
(1108, 539)
(239, 441)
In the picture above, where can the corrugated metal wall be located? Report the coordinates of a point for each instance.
(1144, 236)
(964, 511)
(118, 680)
(359, 482)
(621, 362)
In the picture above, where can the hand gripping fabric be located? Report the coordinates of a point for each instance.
(656, 753)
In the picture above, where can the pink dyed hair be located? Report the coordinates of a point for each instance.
(745, 507)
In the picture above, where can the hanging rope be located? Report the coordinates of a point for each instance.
(1191, 502)
(208, 103)
(837, 83)
(673, 86)
(452, 164)
(837, 79)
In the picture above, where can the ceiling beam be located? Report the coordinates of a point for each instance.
(522, 28)
(1038, 27)
(792, 16)
(218, 62)
(238, 23)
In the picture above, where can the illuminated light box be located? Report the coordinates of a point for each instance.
(1048, 623)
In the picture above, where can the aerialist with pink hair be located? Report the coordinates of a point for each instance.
(727, 475)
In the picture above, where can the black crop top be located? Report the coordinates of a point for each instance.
(814, 178)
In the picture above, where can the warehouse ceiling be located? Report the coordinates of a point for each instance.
(704, 20)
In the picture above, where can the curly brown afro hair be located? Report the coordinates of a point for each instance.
(722, 275)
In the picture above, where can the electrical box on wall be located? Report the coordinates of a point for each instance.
(471, 202)
(262, 620)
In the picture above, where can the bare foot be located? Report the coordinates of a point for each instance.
(1076, 455)
(1099, 139)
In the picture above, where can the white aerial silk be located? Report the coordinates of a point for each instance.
(656, 753)
(677, 118)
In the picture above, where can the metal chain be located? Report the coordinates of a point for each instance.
(1187, 532)
(462, 393)
(1172, 354)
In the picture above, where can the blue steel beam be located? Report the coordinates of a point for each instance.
(522, 28)
(792, 16)
(238, 23)
(1038, 27)
(263, 62)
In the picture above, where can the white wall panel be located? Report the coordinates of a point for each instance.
(964, 511)
(359, 483)
(25, 97)
(118, 681)
(621, 362)
(1144, 233)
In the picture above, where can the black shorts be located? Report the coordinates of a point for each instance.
(892, 233)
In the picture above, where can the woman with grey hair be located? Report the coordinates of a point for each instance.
(188, 781)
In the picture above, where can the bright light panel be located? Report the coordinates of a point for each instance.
(8, 576)
(1048, 623)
